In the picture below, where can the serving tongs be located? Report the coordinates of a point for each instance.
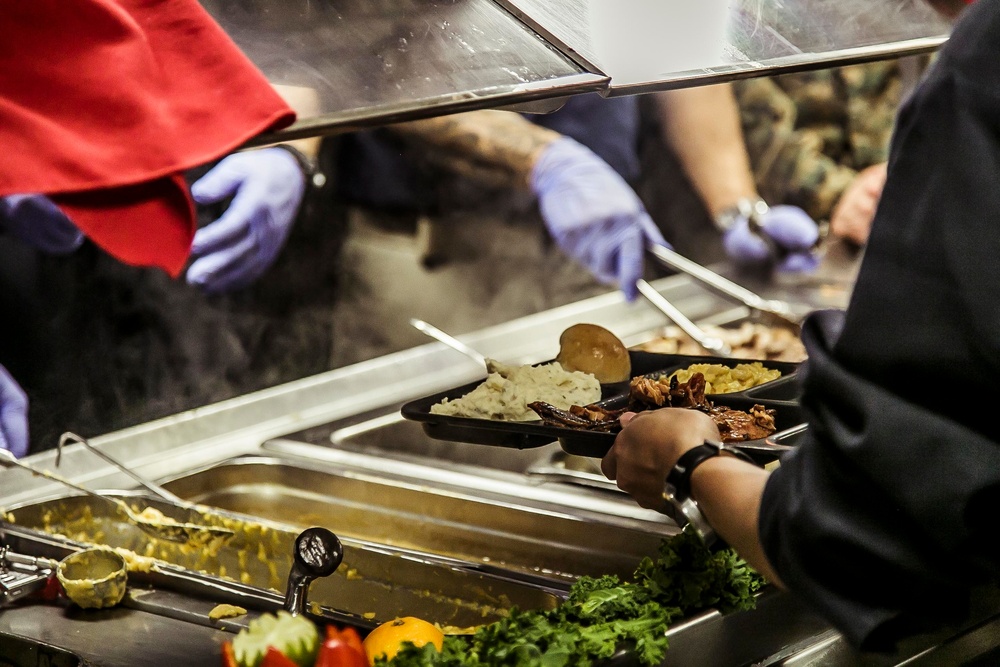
(21, 575)
(772, 311)
(713, 344)
(68, 438)
(188, 533)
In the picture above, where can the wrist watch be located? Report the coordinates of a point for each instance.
(677, 489)
(745, 207)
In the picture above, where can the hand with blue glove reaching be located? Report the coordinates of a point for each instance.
(702, 126)
(267, 187)
(784, 235)
(35, 220)
(593, 214)
(13, 415)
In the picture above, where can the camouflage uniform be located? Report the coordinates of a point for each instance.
(809, 133)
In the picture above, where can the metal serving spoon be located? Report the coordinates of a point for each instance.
(448, 340)
(188, 533)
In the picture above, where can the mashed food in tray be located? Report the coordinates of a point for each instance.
(721, 379)
(507, 391)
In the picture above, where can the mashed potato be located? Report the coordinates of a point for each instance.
(508, 389)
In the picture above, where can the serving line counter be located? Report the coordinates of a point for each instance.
(466, 524)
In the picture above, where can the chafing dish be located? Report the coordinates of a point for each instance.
(548, 544)
(370, 586)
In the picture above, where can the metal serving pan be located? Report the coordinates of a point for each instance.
(548, 544)
(371, 585)
(583, 443)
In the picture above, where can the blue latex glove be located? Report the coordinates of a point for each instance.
(789, 227)
(35, 220)
(13, 415)
(267, 187)
(593, 214)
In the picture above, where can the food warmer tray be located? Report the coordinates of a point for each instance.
(781, 395)
(371, 586)
(708, 638)
(538, 542)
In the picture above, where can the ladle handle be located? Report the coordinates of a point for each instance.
(151, 486)
(318, 553)
(8, 459)
(448, 340)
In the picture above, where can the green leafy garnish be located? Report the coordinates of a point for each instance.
(604, 614)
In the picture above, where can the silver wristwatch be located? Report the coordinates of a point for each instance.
(677, 488)
(685, 512)
(751, 209)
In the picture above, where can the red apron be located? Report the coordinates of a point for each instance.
(103, 105)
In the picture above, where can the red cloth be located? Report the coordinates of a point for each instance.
(104, 103)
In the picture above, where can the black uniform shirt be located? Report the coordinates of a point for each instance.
(887, 516)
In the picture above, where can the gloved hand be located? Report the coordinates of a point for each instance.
(592, 213)
(35, 220)
(791, 230)
(13, 415)
(267, 187)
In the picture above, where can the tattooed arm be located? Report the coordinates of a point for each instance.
(496, 148)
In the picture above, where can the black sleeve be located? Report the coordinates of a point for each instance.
(884, 519)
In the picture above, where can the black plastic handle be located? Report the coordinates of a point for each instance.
(318, 553)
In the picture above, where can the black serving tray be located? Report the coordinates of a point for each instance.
(780, 394)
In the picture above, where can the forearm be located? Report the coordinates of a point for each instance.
(499, 147)
(702, 126)
(729, 492)
(305, 102)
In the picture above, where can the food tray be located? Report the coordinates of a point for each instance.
(372, 585)
(779, 394)
(562, 466)
(517, 539)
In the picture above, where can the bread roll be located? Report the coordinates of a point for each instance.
(595, 350)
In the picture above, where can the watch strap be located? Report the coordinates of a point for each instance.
(314, 177)
(677, 489)
(680, 475)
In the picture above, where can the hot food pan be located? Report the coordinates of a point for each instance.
(528, 434)
(371, 586)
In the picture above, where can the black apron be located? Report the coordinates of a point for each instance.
(884, 519)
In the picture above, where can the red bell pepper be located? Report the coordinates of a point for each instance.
(228, 657)
(342, 648)
(275, 658)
